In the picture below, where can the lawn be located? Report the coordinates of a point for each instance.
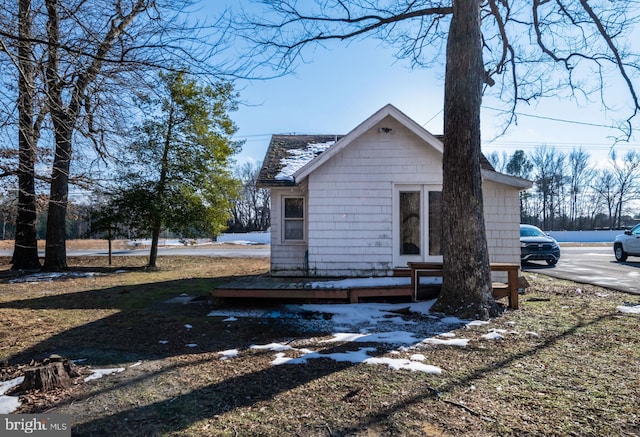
(566, 363)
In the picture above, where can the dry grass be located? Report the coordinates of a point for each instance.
(577, 375)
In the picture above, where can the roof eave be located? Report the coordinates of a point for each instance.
(514, 181)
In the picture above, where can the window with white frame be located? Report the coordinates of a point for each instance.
(293, 219)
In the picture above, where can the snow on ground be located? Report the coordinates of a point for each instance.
(398, 329)
(249, 238)
(99, 373)
(9, 404)
(51, 276)
(629, 308)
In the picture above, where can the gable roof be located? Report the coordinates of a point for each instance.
(291, 158)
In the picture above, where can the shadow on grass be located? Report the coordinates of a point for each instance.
(176, 414)
(143, 320)
(495, 367)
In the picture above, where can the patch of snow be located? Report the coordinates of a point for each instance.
(403, 325)
(188, 326)
(9, 404)
(477, 323)
(272, 347)
(629, 309)
(298, 158)
(280, 359)
(230, 319)
(191, 345)
(459, 342)
(99, 373)
(51, 276)
(228, 354)
(395, 337)
(249, 238)
(361, 356)
(493, 336)
(164, 342)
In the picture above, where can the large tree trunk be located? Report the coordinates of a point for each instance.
(55, 258)
(466, 286)
(25, 254)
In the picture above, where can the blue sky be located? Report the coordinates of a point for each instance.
(341, 86)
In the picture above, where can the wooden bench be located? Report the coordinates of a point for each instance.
(500, 289)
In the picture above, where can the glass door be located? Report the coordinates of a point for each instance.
(417, 224)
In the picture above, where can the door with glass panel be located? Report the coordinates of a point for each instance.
(417, 224)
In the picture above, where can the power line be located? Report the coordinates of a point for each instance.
(558, 120)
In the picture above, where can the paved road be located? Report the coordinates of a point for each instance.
(585, 264)
(239, 252)
(593, 265)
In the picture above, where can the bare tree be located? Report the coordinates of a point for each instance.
(251, 209)
(520, 166)
(605, 186)
(580, 176)
(21, 55)
(570, 40)
(549, 181)
(98, 54)
(626, 174)
(498, 160)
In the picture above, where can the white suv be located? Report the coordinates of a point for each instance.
(627, 244)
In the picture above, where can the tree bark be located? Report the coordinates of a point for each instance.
(466, 286)
(56, 249)
(63, 122)
(25, 254)
(55, 372)
(153, 252)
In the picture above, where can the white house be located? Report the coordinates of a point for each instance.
(367, 202)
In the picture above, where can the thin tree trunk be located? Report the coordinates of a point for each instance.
(466, 287)
(25, 254)
(160, 192)
(153, 252)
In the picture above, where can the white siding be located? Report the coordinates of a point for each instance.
(287, 258)
(349, 208)
(350, 200)
(502, 222)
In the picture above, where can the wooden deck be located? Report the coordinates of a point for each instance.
(267, 287)
(407, 286)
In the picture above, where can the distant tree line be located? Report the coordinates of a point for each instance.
(570, 193)
(251, 210)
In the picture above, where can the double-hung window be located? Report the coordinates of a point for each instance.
(293, 219)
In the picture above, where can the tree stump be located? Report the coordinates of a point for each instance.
(54, 372)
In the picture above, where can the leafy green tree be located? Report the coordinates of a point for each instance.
(177, 175)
